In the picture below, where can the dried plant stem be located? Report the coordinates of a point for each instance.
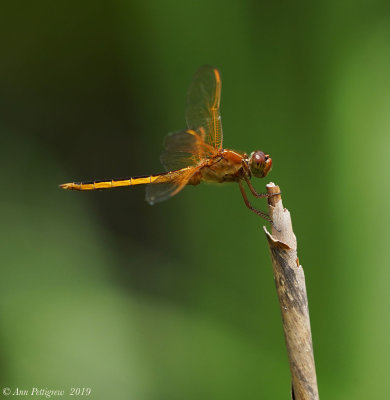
(291, 289)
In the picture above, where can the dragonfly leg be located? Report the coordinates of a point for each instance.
(251, 188)
(255, 210)
(256, 194)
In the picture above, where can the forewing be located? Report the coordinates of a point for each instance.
(169, 184)
(203, 101)
(184, 149)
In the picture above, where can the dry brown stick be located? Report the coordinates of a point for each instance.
(291, 288)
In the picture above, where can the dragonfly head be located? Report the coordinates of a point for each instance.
(260, 164)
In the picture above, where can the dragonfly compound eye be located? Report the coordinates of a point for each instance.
(259, 164)
(258, 157)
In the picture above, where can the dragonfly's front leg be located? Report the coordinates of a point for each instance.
(256, 194)
(251, 188)
(255, 210)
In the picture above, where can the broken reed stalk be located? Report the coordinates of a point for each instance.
(291, 288)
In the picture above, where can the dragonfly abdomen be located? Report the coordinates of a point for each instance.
(112, 183)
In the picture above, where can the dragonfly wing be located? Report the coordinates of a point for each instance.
(169, 184)
(184, 149)
(203, 101)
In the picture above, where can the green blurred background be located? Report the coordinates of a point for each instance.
(177, 301)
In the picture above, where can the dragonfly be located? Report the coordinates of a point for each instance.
(196, 154)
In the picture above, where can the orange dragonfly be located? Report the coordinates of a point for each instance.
(196, 154)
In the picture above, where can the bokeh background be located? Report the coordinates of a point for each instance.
(177, 301)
